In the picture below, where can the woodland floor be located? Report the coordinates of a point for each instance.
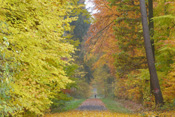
(91, 108)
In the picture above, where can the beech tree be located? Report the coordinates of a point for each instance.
(149, 55)
(33, 51)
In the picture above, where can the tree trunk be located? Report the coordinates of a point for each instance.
(151, 24)
(151, 29)
(149, 55)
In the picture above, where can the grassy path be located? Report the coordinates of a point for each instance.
(95, 108)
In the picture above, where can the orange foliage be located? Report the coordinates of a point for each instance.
(113, 32)
(116, 38)
(101, 34)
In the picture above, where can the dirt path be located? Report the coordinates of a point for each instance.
(92, 104)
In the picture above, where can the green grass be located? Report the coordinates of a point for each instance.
(114, 106)
(73, 104)
(67, 105)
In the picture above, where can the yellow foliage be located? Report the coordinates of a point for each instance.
(135, 87)
(110, 114)
(34, 36)
(160, 114)
(91, 114)
(169, 86)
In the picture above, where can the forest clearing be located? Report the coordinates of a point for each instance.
(87, 58)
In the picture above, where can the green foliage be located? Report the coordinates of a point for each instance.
(164, 42)
(7, 69)
(59, 102)
(81, 27)
(82, 89)
(79, 30)
(103, 81)
(70, 69)
(65, 105)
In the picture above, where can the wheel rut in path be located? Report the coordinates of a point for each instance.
(92, 104)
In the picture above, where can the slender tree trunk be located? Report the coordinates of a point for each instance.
(149, 55)
(151, 29)
(151, 24)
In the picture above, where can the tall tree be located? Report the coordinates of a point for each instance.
(149, 55)
(151, 29)
(81, 26)
(33, 49)
(151, 23)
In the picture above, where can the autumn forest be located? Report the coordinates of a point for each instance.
(60, 55)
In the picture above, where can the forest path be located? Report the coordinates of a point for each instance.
(91, 108)
(92, 104)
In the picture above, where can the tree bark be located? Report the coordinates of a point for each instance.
(151, 24)
(151, 29)
(149, 55)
